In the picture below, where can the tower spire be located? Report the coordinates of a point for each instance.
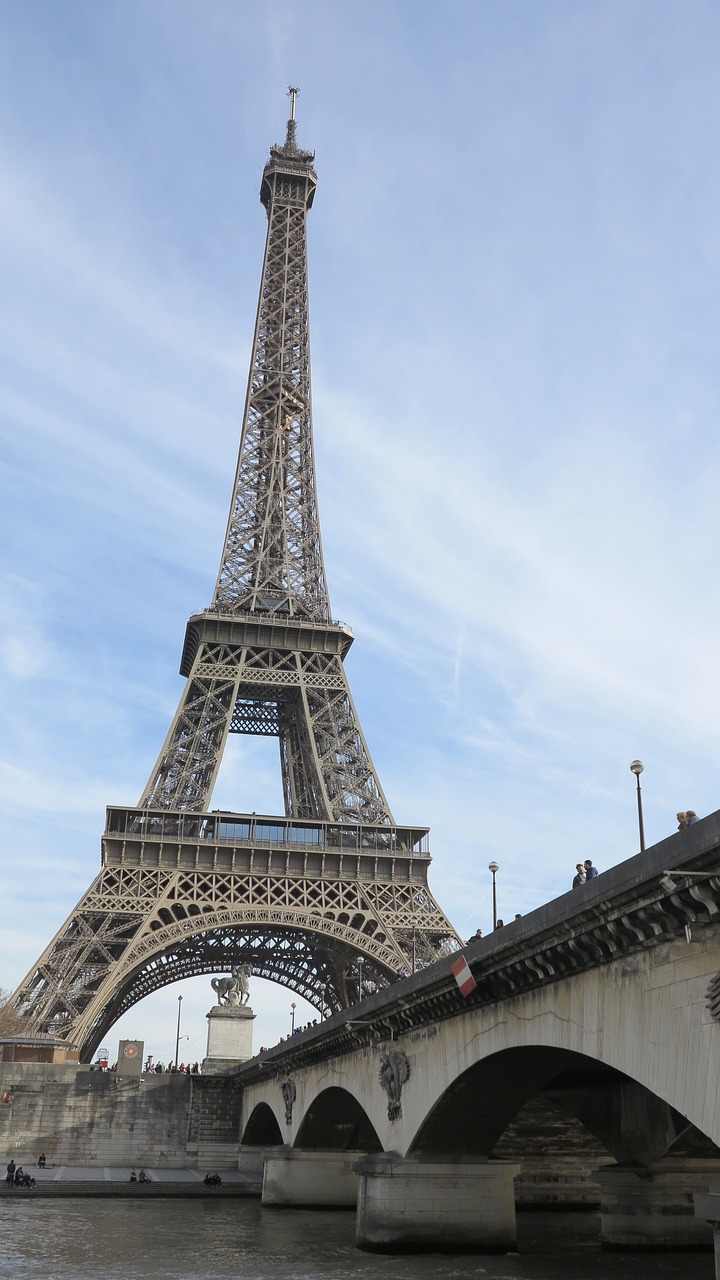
(272, 558)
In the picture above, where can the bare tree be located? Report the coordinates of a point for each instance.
(10, 1023)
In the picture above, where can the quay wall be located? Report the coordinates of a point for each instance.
(88, 1118)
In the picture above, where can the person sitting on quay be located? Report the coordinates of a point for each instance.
(212, 1180)
(42, 1161)
(143, 1177)
(11, 1172)
(133, 1175)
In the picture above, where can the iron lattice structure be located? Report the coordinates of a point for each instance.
(331, 899)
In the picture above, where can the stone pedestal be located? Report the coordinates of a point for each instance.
(312, 1179)
(229, 1039)
(707, 1206)
(653, 1208)
(407, 1206)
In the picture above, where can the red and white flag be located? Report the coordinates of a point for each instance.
(463, 977)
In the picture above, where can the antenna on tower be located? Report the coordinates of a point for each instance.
(290, 142)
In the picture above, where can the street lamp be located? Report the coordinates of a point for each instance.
(177, 1037)
(493, 868)
(637, 767)
(322, 987)
(360, 961)
(293, 1007)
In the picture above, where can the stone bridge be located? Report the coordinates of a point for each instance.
(597, 1014)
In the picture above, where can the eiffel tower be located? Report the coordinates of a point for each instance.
(332, 898)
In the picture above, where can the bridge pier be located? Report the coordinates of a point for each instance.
(410, 1205)
(707, 1206)
(310, 1178)
(653, 1208)
(251, 1159)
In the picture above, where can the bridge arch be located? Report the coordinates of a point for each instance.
(336, 1121)
(262, 1128)
(468, 1120)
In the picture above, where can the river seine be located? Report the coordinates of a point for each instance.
(70, 1239)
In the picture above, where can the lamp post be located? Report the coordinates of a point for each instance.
(637, 767)
(293, 1007)
(493, 868)
(322, 988)
(360, 961)
(177, 1037)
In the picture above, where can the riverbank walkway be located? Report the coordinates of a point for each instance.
(66, 1180)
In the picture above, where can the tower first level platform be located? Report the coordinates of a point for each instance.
(331, 910)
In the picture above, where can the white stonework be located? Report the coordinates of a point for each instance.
(230, 1034)
(645, 1015)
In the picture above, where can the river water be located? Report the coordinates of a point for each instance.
(70, 1239)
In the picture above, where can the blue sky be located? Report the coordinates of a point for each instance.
(514, 257)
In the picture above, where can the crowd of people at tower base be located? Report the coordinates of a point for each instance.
(185, 1068)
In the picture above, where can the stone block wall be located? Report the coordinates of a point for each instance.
(89, 1118)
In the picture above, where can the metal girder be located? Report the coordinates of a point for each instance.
(134, 931)
(305, 699)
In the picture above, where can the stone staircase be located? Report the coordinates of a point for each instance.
(214, 1132)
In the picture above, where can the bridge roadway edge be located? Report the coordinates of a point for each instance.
(619, 972)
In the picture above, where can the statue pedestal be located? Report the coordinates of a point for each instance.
(229, 1038)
